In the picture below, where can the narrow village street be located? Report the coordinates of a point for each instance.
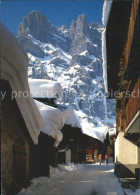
(80, 179)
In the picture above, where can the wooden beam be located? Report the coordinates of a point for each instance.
(134, 12)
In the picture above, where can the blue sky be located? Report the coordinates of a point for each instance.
(58, 12)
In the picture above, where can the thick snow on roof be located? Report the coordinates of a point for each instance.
(54, 121)
(14, 70)
(89, 129)
(106, 11)
(43, 88)
(79, 119)
(104, 57)
(95, 132)
(69, 114)
(112, 131)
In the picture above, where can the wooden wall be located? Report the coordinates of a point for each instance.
(13, 133)
(133, 104)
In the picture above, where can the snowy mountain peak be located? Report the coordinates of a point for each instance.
(36, 24)
(71, 56)
(82, 22)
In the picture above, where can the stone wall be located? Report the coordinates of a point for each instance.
(13, 130)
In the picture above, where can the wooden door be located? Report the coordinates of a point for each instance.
(19, 164)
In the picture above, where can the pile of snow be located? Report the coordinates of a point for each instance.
(54, 121)
(112, 132)
(35, 184)
(89, 129)
(106, 11)
(69, 114)
(64, 169)
(39, 185)
(41, 88)
(69, 167)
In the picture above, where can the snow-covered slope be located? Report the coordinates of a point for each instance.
(71, 56)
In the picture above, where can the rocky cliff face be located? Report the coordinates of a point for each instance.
(72, 56)
(37, 25)
(83, 36)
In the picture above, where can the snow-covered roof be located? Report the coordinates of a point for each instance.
(95, 132)
(112, 131)
(42, 88)
(104, 57)
(69, 114)
(54, 121)
(106, 11)
(79, 119)
(14, 70)
(89, 129)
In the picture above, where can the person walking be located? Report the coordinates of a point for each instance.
(100, 158)
(106, 159)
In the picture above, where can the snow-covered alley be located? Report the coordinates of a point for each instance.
(80, 179)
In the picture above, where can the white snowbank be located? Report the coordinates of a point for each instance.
(69, 114)
(106, 11)
(42, 88)
(64, 169)
(69, 167)
(89, 129)
(40, 184)
(54, 121)
(14, 63)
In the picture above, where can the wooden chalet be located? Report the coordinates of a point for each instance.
(69, 148)
(84, 149)
(43, 155)
(91, 149)
(71, 141)
(122, 43)
(110, 146)
(20, 119)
